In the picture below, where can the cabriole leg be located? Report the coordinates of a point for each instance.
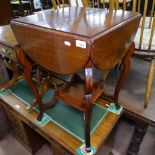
(27, 74)
(124, 73)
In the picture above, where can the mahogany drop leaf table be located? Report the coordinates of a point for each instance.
(74, 38)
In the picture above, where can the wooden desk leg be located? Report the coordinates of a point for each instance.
(88, 103)
(27, 74)
(137, 138)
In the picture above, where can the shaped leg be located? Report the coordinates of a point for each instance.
(88, 103)
(42, 90)
(121, 80)
(124, 73)
(87, 119)
(27, 74)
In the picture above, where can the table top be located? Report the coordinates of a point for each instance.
(87, 22)
(7, 37)
(52, 38)
(52, 131)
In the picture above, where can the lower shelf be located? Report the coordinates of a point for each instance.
(74, 94)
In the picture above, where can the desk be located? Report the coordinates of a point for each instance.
(56, 135)
(68, 40)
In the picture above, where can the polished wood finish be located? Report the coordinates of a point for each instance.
(74, 93)
(59, 53)
(52, 132)
(5, 12)
(93, 34)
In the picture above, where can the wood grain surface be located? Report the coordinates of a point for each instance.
(43, 37)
